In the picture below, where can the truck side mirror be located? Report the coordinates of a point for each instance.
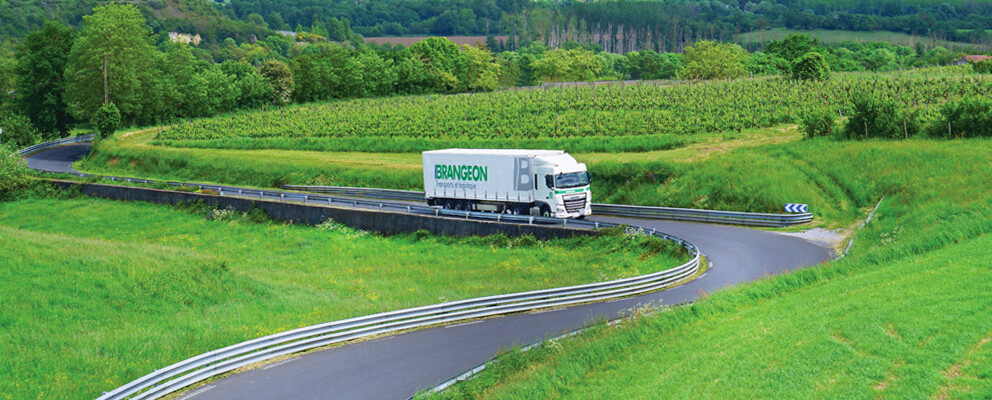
(550, 181)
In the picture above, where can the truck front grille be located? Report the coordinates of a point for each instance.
(575, 204)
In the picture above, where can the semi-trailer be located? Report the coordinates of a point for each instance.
(547, 183)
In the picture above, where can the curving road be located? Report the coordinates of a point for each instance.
(398, 366)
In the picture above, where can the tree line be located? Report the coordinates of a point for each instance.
(57, 77)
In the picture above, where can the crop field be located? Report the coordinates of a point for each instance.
(612, 118)
(97, 292)
(837, 36)
(905, 315)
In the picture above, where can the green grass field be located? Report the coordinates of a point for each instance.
(96, 293)
(905, 315)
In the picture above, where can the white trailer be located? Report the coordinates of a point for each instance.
(536, 182)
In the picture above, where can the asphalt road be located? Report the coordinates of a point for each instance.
(398, 366)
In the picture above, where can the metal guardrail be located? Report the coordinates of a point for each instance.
(668, 213)
(184, 373)
(54, 143)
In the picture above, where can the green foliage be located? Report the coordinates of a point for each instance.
(817, 122)
(41, 85)
(561, 65)
(14, 174)
(877, 117)
(759, 63)
(792, 47)
(481, 73)
(18, 131)
(443, 61)
(647, 64)
(280, 80)
(968, 117)
(811, 66)
(119, 33)
(713, 60)
(983, 67)
(107, 119)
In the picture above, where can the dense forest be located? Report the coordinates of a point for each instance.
(616, 26)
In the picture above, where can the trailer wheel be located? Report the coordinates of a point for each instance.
(447, 204)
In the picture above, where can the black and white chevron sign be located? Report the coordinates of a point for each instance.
(796, 208)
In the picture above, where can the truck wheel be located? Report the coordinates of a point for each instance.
(545, 211)
(447, 205)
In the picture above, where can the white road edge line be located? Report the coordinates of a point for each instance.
(196, 392)
(463, 324)
(283, 362)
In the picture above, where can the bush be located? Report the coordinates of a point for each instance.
(811, 66)
(983, 67)
(14, 176)
(815, 122)
(968, 117)
(880, 118)
(17, 131)
(107, 119)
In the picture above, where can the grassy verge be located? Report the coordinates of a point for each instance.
(96, 293)
(905, 315)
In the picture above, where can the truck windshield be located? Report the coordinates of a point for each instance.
(572, 179)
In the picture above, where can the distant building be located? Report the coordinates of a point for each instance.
(177, 37)
(971, 59)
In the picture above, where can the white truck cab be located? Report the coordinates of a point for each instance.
(538, 182)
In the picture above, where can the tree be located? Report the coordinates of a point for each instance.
(811, 66)
(713, 60)
(567, 65)
(481, 73)
(880, 59)
(41, 63)
(647, 64)
(280, 79)
(759, 63)
(17, 130)
(116, 33)
(107, 119)
(443, 60)
(793, 46)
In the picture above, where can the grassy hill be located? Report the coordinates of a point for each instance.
(905, 315)
(97, 293)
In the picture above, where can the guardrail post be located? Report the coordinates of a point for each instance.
(437, 212)
(240, 192)
(597, 225)
(530, 220)
(408, 210)
(221, 191)
(282, 197)
(564, 222)
(305, 197)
